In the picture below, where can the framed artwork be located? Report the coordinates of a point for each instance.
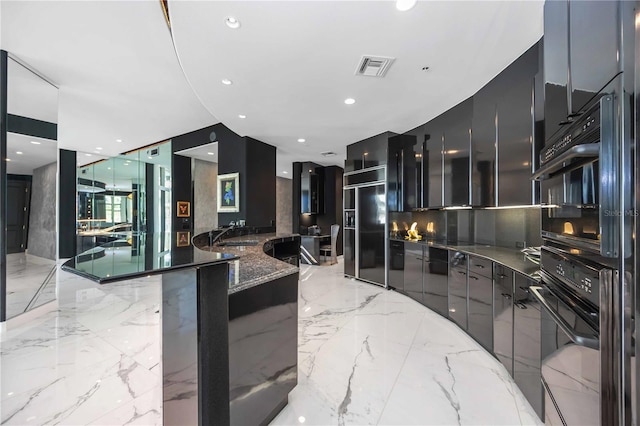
(229, 193)
(184, 209)
(183, 238)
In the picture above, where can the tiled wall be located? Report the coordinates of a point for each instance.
(205, 208)
(42, 217)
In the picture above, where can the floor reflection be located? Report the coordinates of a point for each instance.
(30, 282)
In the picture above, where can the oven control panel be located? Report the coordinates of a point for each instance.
(580, 132)
(579, 278)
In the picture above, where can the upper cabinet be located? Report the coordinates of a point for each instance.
(581, 54)
(312, 189)
(593, 49)
(457, 153)
(433, 194)
(404, 167)
(484, 140)
(516, 121)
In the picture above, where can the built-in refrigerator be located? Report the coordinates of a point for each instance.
(365, 230)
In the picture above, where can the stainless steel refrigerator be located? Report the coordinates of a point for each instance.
(365, 230)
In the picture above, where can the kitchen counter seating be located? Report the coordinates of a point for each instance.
(229, 321)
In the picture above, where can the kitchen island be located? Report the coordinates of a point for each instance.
(239, 296)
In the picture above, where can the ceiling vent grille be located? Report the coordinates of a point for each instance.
(328, 154)
(374, 66)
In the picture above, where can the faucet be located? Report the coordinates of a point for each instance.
(219, 236)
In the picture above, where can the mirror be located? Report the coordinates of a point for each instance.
(127, 200)
(31, 189)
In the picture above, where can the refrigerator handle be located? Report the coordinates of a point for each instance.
(609, 167)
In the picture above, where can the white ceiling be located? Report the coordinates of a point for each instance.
(33, 155)
(292, 64)
(208, 152)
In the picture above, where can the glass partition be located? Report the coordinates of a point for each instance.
(127, 200)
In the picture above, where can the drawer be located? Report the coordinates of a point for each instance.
(480, 266)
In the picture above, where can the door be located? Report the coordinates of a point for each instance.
(527, 344)
(503, 316)
(481, 309)
(458, 288)
(349, 234)
(435, 278)
(19, 196)
(413, 258)
(370, 223)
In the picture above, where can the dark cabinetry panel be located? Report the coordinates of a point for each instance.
(480, 289)
(593, 48)
(434, 145)
(457, 143)
(402, 173)
(483, 136)
(367, 153)
(556, 56)
(396, 265)
(458, 297)
(503, 316)
(312, 189)
(413, 260)
(435, 277)
(526, 343)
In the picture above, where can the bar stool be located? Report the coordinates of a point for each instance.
(331, 249)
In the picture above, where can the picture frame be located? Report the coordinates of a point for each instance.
(183, 209)
(183, 239)
(229, 193)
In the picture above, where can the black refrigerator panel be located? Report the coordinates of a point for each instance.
(527, 350)
(371, 218)
(350, 252)
(481, 309)
(435, 280)
(413, 260)
(396, 265)
(503, 316)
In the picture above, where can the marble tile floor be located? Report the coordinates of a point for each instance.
(25, 276)
(366, 356)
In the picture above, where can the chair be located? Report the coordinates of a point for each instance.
(331, 249)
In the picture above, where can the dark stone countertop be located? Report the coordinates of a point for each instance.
(254, 266)
(510, 257)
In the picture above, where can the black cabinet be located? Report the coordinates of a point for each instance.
(413, 260)
(593, 48)
(526, 343)
(402, 171)
(514, 88)
(503, 316)
(555, 63)
(458, 296)
(484, 141)
(457, 153)
(396, 264)
(433, 194)
(480, 289)
(435, 280)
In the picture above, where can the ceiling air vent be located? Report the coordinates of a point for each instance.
(374, 66)
(328, 154)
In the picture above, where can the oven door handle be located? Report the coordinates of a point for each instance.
(575, 336)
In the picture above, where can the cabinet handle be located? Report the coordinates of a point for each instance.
(479, 266)
(502, 276)
(461, 272)
(506, 296)
(473, 278)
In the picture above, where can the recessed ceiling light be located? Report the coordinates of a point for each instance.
(302, 140)
(242, 116)
(209, 153)
(284, 172)
(108, 168)
(8, 159)
(98, 148)
(19, 152)
(126, 164)
(232, 22)
(404, 5)
(227, 82)
(349, 101)
(35, 142)
(88, 155)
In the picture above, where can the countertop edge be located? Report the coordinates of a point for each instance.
(465, 249)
